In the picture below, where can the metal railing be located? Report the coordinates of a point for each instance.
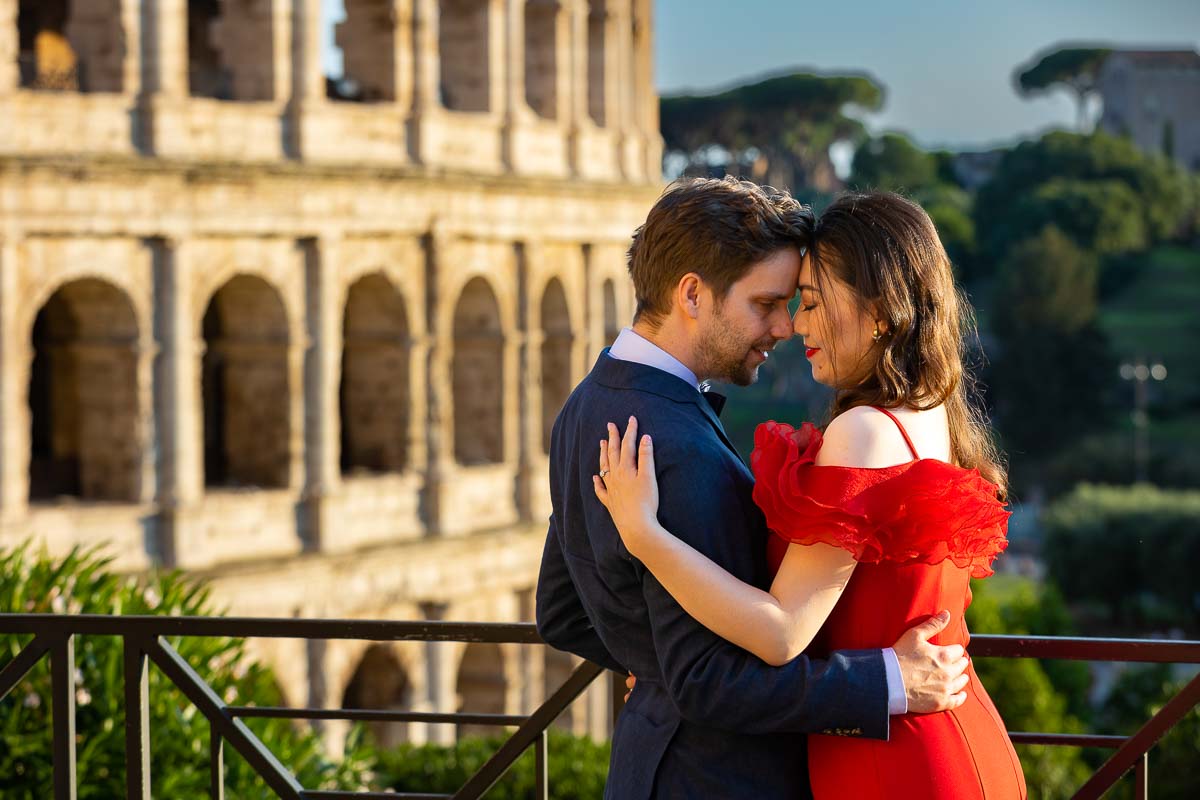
(145, 641)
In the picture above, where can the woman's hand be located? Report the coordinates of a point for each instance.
(630, 682)
(627, 485)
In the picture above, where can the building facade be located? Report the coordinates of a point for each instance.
(1153, 97)
(306, 338)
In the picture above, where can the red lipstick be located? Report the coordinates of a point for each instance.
(810, 352)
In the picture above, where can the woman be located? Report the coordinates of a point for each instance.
(880, 521)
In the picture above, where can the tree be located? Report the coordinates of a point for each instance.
(892, 162)
(83, 583)
(1075, 68)
(1044, 177)
(1050, 378)
(1129, 553)
(1103, 217)
(786, 122)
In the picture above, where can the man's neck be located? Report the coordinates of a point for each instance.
(673, 345)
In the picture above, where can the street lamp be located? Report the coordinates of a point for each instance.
(1141, 373)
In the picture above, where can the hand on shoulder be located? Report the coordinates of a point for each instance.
(862, 437)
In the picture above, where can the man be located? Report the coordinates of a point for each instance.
(714, 267)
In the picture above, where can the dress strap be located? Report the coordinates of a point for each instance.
(903, 432)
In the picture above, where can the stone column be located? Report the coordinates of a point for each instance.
(424, 97)
(440, 394)
(576, 67)
(564, 62)
(514, 51)
(616, 63)
(282, 55)
(177, 402)
(10, 76)
(147, 421)
(499, 58)
(131, 64)
(308, 78)
(15, 358)
(440, 676)
(528, 341)
(426, 69)
(321, 369)
(164, 48)
(403, 57)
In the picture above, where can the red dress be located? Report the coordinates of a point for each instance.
(919, 531)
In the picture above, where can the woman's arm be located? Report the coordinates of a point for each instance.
(775, 626)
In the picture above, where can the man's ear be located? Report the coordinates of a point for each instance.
(687, 294)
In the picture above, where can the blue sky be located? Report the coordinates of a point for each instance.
(947, 64)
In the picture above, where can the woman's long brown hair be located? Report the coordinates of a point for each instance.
(886, 248)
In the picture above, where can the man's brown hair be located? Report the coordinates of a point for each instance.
(714, 228)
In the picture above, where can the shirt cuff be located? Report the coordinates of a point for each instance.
(897, 698)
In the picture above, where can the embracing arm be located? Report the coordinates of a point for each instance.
(776, 626)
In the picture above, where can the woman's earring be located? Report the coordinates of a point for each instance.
(877, 335)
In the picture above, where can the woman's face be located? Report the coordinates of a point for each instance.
(836, 329)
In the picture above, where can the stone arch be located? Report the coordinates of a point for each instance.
(374, 395)
(478, 376)
(230, 49)
(541, 57)
(482, 686)
(381, 682)
(367, 38)
(597, 41)
(464, 38)
(557, 340)
(71, 45)
(83, 395)
(612, 325)
(245, 387)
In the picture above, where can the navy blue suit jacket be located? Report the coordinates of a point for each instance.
(707, 719)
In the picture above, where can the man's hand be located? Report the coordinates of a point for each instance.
(629, 683)
(934, 676)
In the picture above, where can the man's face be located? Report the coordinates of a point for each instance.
(736, 333)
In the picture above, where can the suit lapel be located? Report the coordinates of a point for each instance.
(632, 375)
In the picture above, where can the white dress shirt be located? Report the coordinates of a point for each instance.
(632, 346)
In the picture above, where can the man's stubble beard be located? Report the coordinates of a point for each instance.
(722, 355)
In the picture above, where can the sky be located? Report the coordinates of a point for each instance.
(946, 65)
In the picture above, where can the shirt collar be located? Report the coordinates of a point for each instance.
(632, 346)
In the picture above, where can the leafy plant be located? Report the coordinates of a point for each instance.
(83, 583)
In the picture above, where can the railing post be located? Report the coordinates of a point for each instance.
(1141, 776)
(62, 687)
(541, 768)
(216, 763)
(137, 720)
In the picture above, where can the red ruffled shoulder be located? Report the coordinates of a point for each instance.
(924, 511)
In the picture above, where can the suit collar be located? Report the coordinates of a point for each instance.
(617, 374)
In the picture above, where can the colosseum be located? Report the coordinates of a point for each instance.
(305, 337)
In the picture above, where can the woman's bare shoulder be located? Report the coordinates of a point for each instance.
(863, 437)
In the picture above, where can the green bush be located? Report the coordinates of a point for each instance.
(82, 583)
(577, 767)
(1130, 552)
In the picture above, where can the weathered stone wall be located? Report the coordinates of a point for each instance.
(310, 350)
